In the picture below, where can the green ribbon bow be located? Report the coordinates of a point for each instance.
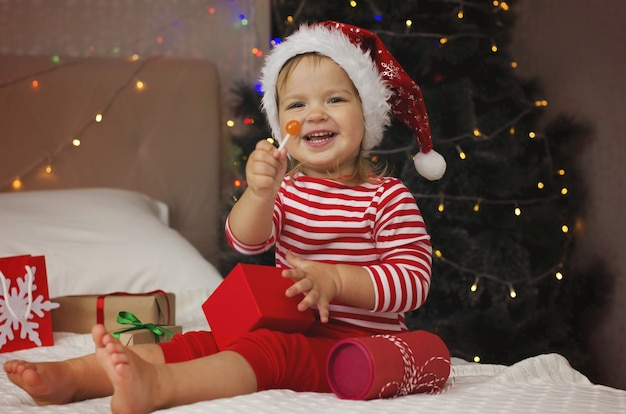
(127, 318)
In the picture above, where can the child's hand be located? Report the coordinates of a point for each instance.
(265, 169)
(319, 282)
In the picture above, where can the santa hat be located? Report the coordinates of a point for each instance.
(382, 84)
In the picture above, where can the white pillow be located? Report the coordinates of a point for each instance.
(102, 240)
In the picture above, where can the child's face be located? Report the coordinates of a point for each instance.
(319, 94)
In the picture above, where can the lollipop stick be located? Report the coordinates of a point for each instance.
(282, 144)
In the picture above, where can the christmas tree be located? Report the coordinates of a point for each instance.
(503, 218)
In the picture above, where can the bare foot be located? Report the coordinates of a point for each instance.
(46, 382)
(134, 380)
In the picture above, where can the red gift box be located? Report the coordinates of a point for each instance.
(25, 320)
(386, 366)
(252, 297)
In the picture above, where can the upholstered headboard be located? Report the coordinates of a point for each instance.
(160, 132)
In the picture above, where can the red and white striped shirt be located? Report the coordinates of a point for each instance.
(374, 225)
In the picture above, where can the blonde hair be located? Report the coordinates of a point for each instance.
(364, 170)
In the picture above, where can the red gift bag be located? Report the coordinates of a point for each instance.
(25, 320)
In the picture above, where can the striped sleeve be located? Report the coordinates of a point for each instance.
(402, 278)
(247, 248)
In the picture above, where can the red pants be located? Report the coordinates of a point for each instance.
(295, 361)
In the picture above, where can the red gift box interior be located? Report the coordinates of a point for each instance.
(252, 297)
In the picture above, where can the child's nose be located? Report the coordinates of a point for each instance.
(316, 113)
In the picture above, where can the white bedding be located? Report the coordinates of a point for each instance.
(542, 384)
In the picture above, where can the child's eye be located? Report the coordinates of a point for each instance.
(336, 99)
(295, 105)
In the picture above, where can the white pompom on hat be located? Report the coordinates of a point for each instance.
(382, 84)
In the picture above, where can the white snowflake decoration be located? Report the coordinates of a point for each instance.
(18, 307)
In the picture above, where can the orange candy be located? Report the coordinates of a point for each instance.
(293, 127)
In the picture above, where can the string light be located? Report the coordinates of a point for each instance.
(561, 172)
(35, 84)
(16, 184)
(441, 207)
(476, 132)
(514, 64)
(494, 47)
(47, 159)
(443, 40)
(476, 359)
(460, 14)
(518, 212)
(540, 185)
(542, 102)
(474, 286)
(353, 3)
(564, 191)
(462, 154)
(509, 283)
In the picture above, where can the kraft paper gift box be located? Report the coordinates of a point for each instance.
(146, 336)
(25, 320)
(79, 313)
(387, 366)
(252, 297)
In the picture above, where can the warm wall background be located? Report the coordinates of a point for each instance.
(194, 29)
(577, 48)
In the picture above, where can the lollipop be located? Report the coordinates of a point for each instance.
(293, 128)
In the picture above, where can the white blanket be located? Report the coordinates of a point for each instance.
(542, 384)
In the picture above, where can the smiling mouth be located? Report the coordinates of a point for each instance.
(319, 137)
